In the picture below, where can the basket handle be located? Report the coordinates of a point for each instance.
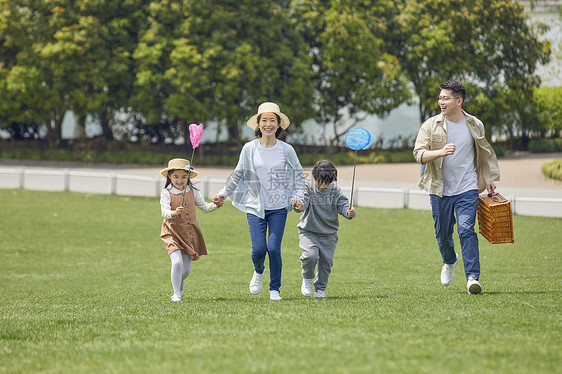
(496, 199)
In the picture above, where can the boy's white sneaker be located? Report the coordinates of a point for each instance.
(319, 294)
(255, 283)
(306, 287)
(448, 272)
(274, 295)
(175, 298)
(473, 286)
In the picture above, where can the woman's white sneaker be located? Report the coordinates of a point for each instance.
(255, 283)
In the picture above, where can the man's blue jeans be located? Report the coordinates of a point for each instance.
(464, 206)
(275, 221)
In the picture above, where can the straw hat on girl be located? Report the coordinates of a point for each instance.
(179, 164)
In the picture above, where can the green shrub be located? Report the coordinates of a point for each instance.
(130, 156)
(545, 145)
(553, 169)
(364, 157)
(499, 149)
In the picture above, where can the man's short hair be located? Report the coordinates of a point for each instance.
(456, 86)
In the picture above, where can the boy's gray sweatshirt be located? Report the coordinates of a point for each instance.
(321, 209)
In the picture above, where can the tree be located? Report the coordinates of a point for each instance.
(216, 61)
(108, 31)
(67, 55)
(28, 87)
(549, 108)
(354, 74)
(489, 45)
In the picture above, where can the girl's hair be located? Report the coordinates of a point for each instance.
(280, 133)
(169, 181)
(324, 171)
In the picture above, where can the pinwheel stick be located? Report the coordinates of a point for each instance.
(195, 134)
(188, 174)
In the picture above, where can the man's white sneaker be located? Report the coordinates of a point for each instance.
(306, 287)
(448, 272)
(255, 283)
(319, 294)
(274, 295)
(175, 298)
(473, 286)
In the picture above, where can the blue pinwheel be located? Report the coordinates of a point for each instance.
(357, 139)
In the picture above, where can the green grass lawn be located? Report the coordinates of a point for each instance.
(85, 288)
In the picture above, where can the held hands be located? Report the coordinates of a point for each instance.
(298, 206)
(218, 200)
(448, 149)
(350, 212)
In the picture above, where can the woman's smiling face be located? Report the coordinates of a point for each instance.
(268, 124)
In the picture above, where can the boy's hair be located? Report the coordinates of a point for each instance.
(324, 171)
(456, 86)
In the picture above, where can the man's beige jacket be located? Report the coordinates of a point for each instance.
(433, 136)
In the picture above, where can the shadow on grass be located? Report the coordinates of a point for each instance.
(297, 298)
(492, 293)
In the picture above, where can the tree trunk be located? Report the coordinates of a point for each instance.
(233, 131)
(422, 112)
(51, 136)
(79, 126)
(185, 128)
(104, 122)
(54, 134)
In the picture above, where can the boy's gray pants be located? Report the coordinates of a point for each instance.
(317, 251)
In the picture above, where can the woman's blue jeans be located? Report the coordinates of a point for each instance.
(264, 242)
(464, 206)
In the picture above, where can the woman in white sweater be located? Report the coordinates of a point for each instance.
(267, 181)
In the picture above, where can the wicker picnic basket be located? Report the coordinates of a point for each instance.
(494, 218)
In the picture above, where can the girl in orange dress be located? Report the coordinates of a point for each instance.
(181, 234)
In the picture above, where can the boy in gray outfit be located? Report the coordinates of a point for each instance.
(319, 224)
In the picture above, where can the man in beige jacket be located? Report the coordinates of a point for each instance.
(460, 163)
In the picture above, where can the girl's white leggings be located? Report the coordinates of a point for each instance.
(181, 267)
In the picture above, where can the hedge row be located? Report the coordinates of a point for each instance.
(545, 145)
(150, 158)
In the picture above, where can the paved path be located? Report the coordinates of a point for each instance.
(520, 176)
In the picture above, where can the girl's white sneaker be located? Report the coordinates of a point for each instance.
(175, 298)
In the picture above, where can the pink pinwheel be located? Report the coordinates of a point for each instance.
(195, 134)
